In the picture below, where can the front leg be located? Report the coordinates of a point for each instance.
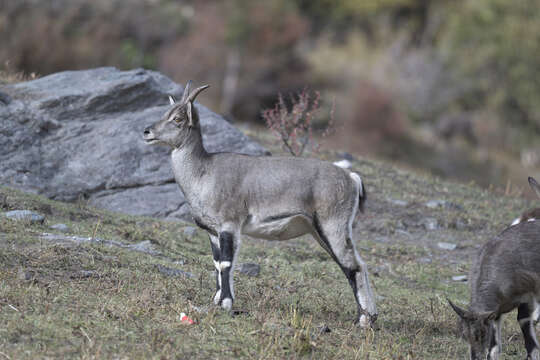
(228, 250)
(495, 346)
(214, 242)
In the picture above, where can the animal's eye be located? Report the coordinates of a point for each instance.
(175, 118)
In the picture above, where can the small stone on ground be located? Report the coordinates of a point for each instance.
(25, 215)
(249, 269)
(430, 224)
(189, 231)
(446, 246)
(167, 271)
(60, 227)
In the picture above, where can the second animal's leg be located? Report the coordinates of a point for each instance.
(495, 346)
(214, 242)
(228, 250)
(524, 317)
(336, 239)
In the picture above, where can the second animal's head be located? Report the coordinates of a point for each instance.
(175, 127)
(477, 329)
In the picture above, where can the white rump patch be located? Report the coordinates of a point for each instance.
(516, 221)
(531, 219)
(344, 164)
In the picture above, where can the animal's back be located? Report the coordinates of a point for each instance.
(274, 180)
(508, 266)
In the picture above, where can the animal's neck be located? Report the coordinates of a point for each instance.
(190, 162)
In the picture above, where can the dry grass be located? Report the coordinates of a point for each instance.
(61, 300)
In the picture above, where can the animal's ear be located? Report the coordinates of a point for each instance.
(172, 101)
(487, 316)
(534, 185)
(464, 314)
(189, 111)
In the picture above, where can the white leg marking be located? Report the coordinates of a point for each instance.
(217, 297)
(494, 353)
(224, 264)
(364, 322)
(498, 335)
(536, 312)
(227, 304)
(531, 219)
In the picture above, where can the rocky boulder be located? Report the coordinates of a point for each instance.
(77, 135)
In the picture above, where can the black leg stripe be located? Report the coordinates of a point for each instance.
(226, 246)
(225, 286)
(525, 323)
(523, 311)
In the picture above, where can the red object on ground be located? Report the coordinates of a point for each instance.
(185, 319)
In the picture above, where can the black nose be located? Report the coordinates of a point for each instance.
(147, 131)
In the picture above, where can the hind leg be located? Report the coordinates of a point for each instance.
(336, 239)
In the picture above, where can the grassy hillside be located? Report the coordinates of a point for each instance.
(83, 300)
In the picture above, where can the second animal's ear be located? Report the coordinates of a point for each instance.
(487, 316)
(534, 185)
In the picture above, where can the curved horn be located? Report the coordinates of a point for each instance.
(462, 313)
(185, 94)
(196, 92)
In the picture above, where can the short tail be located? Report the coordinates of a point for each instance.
(362, 194)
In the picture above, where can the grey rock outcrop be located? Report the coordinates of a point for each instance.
(77, 134)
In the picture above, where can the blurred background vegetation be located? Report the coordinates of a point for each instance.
(448, 86)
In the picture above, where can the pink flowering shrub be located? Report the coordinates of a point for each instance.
(294, 125)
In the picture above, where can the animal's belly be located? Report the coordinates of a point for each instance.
(282, 228)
